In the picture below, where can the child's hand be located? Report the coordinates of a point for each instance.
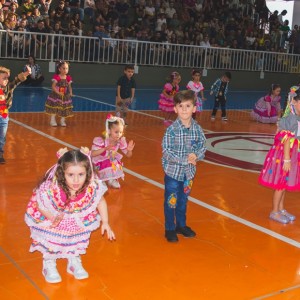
(110, 234)
(211, 92)
(109, 147)
(56, 220)
(203, 99)
(130, 145)
(192, 159)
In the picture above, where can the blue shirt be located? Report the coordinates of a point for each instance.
(178, 142)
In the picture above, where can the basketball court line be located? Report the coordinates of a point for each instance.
(192, 199)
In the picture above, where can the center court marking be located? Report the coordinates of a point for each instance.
(192, 199)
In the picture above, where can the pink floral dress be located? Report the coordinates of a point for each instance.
(260, 110)
(109, 163)
(81, 217)
(272, 174)
(166, 103)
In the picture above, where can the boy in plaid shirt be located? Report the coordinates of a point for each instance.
(183, 145)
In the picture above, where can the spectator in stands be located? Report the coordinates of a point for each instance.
(27, 6)
(10, 21)
(174, 22)
(281, 16)
(160, 21)
(150, 12)
(273, 20)
(89, 9)
(284, 30)
(36, 77)
(38, 40)
(2, 19)
(122, 7)
(101, 45)
(45, 6)
(140, 13)
(75, 8)
(170, 11)
(77, 22)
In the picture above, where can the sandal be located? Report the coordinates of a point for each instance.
(288, 215)
(279, 217)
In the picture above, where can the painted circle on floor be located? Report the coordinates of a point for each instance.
(242, 150)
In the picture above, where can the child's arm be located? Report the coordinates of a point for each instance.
(202, 95)
(214, 85)
(99, 147)
(102, 208)
(268, 104)
(70, 89)
(118, 99)
(132, 93)
(55, 219)
(286, 156)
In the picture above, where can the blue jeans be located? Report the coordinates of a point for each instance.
(3, 130)
(176, 195)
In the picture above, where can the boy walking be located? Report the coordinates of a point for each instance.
(183, 145)
(220, 89)
(125, 92)
(6, 97)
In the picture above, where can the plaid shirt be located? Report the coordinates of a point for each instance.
(215, 88)
(178, 143)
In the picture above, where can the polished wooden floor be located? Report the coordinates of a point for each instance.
(238, 252)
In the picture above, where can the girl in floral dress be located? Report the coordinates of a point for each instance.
(59, 102)
(166, 103)
(64, 209)
(105, 153)
(196, 86)
(281, 170)
(268, 109)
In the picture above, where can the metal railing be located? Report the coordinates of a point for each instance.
(52, 47)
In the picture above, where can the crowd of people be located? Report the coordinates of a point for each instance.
(236, 24)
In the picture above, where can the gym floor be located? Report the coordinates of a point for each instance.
(238, 252)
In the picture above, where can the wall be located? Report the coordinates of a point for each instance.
(107, 75)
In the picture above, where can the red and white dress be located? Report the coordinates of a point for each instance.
(196, 87)
(108, 163)
(71, 237)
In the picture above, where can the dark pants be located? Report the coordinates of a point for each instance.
(176, 196)
(219, 101)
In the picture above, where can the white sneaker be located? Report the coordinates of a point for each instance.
(50, 272)
(75, 268)
(114, 183)
(53, 121)
(63, 122)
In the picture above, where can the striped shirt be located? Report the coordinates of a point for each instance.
(178, 142)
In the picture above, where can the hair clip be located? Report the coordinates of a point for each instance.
(61, 152)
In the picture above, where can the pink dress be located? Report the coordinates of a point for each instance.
(260, 111)
(71, 237)
(166, 103)
(61, 106)
(272, 174)
(196, 87)
(109, 163)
